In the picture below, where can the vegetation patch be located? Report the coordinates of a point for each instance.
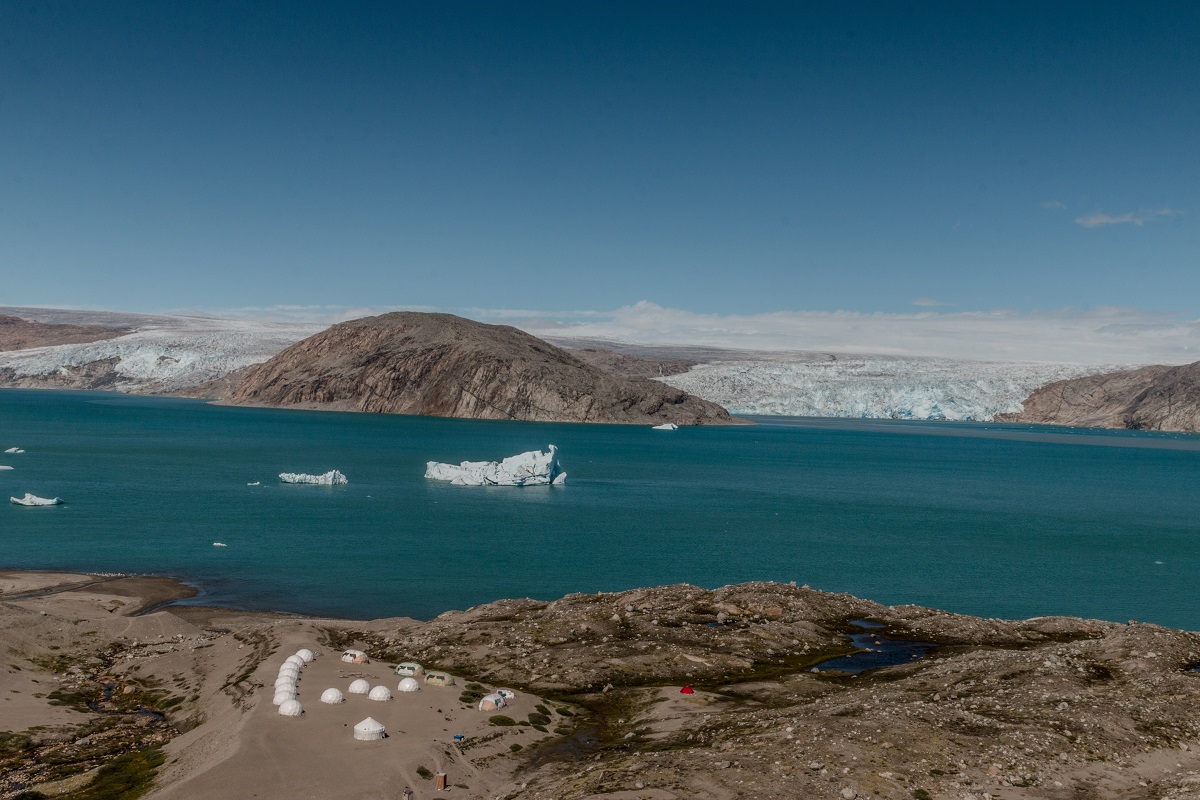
(500, 719)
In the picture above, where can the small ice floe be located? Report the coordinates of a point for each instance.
(14, 450)
(534, 468)
(666, 426)
(256, 483)
(220, 544)
(331, 478)
(34, 500)
(4, 467)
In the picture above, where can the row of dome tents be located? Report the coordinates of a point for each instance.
(285, 683)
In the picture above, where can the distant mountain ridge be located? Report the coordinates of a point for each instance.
(1160, 398)
(446, 366)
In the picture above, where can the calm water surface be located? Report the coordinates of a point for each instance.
(993, 520)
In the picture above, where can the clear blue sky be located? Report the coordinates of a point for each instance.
(722, 158)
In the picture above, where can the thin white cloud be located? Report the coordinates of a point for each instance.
(1103, 335)
(926, 302)
(1095, 336)
(1056, 205)
(1139, 218)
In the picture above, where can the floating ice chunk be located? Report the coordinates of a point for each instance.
(666, 426)
(220, 544)
(534, 468)
(34, 500)
(4, 467)
(257, 483)
(331, 478)
(14, 450)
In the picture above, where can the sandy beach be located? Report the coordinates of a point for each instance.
(103, 686)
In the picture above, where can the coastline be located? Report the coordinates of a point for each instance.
(1043, 708)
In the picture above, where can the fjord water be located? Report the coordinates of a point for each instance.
(991, 520)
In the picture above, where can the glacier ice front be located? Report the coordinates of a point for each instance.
(534, 468)
(331, 478)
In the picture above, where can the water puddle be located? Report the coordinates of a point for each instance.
(875, 651)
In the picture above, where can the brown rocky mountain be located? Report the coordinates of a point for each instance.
(21, 334)
(445, 366)
(1151, 398)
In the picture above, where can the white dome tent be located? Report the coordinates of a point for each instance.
(333, 696)
(381, 694)
(368, 730)
(306, 655)
(507, 694)
(492, 702)
(359, 686)
(355, 657)
(297, 660)
(285, 680)
(290, 708)
(408, 685)
(290, 669)
(283, 695)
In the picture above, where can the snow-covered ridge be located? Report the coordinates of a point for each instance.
(165, 353)
(874, 387)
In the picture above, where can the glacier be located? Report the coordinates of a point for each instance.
(164, 353)
(331, 478)
(534, 468)
(873, 387)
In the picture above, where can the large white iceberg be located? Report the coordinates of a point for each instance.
(534, 468)
(331, 478)
(14, 450)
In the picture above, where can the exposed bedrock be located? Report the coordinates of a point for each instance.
(445, 366)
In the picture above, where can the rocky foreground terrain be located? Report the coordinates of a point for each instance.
(1158, 398)
(1050, 707)
(445, 366)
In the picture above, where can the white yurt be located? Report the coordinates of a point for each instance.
(306, 655)
(290, 708)
(408, 685)
(333, 696)
(290, 669)
(368, 730)
(297, 660)
(409, 668)
(285, 680)
(492, 702)
(355, 657)
(380, 693)
(507, 694)
(283, 695)
(359, 686)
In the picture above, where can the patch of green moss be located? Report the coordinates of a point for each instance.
(500, 719)
(124, 778)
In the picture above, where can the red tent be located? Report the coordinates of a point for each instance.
(687, 690)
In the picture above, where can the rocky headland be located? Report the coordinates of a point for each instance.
(180, 700)
(17, 333)
(1159, 398)
(445, 366)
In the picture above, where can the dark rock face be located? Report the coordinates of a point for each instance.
(445, 366)
(1151, 398)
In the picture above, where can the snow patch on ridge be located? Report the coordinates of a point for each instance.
(874, 387)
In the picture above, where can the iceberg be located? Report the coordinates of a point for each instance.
(534, 468)
(14, 450)
(4, 467)
(331, 478)
(34, 500)
(666, 426)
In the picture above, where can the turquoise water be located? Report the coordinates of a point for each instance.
(991, 520)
